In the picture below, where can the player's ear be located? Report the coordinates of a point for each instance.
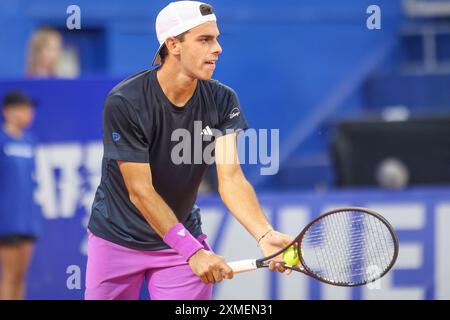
(173, 46)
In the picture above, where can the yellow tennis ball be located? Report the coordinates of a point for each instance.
(290, 256)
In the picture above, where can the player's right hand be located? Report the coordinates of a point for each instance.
(209, 267)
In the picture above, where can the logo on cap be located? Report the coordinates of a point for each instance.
(206, 9)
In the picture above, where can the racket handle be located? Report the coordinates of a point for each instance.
(243, 265)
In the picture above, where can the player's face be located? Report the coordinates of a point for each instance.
(200, 50)
(22, 115)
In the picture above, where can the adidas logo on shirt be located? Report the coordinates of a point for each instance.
(181, 233)
(207, 131)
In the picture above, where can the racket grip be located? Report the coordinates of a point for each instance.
(243, 265)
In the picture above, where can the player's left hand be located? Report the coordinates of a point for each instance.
(275, 241)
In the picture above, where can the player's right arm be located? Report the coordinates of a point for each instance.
(126, 141)
(209, 267)
(138, 180)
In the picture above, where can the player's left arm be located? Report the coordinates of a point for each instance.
(240, 198)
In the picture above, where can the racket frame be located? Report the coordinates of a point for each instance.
(264, 262)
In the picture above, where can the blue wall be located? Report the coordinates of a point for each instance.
(299, 66)
(261, 28)
(68, 173)
(418, 274)
(294, 64)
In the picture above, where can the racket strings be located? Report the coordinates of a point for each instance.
(324, 257)
(348, 247)
(339, 245)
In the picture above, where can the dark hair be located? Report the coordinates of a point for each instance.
(163, 53)
(14, 98)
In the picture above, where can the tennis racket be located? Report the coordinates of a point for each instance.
(343, 247)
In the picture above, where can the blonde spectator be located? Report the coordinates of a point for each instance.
(44, 53)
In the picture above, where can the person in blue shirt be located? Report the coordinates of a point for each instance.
(18, 222)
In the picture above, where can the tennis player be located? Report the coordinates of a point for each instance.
(145, 225)
(18, 219)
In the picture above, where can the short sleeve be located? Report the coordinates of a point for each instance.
(123, 137)
(231, 116)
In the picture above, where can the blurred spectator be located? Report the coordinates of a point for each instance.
(44, 53)
(18, 224)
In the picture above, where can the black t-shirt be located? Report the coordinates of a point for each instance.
(139, 125)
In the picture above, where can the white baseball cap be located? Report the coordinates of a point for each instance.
(178, 17)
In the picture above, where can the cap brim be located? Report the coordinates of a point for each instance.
(157, 57)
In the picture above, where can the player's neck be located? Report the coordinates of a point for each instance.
(177, 86)
(13, 130)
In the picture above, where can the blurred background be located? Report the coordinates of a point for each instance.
(360, 95)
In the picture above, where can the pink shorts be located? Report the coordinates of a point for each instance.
(116, 272)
